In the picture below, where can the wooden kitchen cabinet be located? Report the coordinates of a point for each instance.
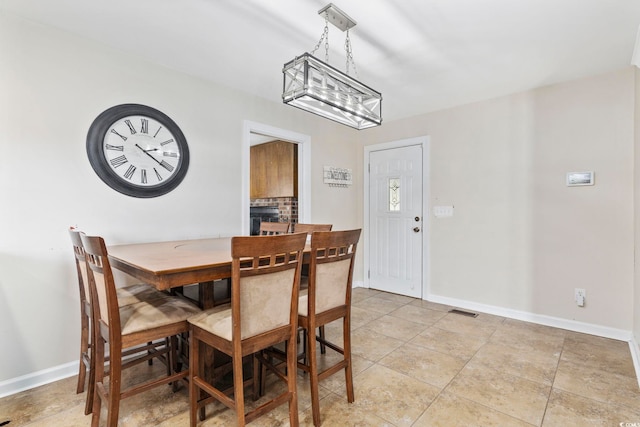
(274, 170)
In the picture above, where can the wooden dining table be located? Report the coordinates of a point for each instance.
(173, 264)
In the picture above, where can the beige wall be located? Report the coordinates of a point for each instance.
(52, 86)
(520, 239)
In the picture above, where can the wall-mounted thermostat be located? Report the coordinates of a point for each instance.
(580, 178)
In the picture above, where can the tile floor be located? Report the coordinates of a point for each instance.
(415, 364)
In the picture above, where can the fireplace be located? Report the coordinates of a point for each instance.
(257, 214)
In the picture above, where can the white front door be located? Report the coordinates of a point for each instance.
(395, 220)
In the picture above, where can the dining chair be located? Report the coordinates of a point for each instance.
(128, 327)
(263, 313)
(304, 276)
(271, 228)
(126, 295)
(328, 298)
(310, 228)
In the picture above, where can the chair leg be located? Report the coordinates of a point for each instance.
(313, 376)
(202, 373)
(292, 364)
(91, 386)
(238, 389)
(82, 376)
(257, 377)
(84, 349)
(99, 378)
(305, 347)
(348, 372)
(323, 348)
(115, 383)
(174, 356)
(262, 386)
(194, 391)
(168, 357)
(183, 349)
(150, 361)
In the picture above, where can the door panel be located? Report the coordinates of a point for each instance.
(395, 186)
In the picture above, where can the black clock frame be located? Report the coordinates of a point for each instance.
(95, 150)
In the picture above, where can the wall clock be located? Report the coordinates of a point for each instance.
(137, 150)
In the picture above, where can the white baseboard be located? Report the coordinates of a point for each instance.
(556, 322)
(36, 379)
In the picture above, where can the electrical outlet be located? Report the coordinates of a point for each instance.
(580, 295)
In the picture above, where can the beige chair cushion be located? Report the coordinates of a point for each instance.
(265, 302)
(216, 322)
(155, 313)
(331, 287)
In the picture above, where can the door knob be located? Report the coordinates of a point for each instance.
(416, 229)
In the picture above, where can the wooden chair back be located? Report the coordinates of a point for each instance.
(102, 284)
(265, 278)
(273, 228)
(331, 269)
(86, 320)
(310, 228)
(81, 266)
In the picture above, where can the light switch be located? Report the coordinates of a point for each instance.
(443, 211)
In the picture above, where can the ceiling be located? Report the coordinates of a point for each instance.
(423, 55)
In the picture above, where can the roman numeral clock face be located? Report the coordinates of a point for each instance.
(143, 158)
(137, 150)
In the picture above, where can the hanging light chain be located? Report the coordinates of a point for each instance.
(326, 40)
(347, 47)
(349, 51)
(325, 37)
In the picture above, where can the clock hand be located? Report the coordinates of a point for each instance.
(145, 152)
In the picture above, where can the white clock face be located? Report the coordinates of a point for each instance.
(141, 151)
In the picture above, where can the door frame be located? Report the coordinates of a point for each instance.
(424, 142)
(304, 167)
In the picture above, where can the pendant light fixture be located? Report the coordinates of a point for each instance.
(315, 86)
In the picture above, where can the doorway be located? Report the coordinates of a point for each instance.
(396, 217)
(258, 133)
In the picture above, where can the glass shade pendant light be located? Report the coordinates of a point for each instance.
(315, 86)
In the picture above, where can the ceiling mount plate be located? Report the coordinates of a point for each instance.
(337, 17)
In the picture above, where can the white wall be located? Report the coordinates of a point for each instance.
(52, 86)
(520, 239)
